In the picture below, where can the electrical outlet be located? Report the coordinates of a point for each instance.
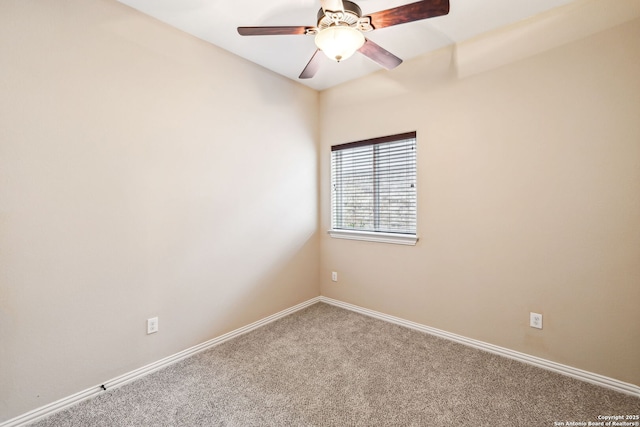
(535, 320)
(334, 276)
(152, 325)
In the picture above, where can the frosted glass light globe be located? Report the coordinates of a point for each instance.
(339, 42)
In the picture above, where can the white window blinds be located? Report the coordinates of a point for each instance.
(374, 185)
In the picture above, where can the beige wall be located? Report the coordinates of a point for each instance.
(143, 173)
(528, 195)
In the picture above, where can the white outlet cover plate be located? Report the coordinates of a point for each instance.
(152, 325)
(535, 320)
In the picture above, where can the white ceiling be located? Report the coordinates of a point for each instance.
(216, 21)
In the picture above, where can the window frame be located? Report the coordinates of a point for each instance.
(402, 238)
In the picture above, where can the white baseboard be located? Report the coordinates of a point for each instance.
(69, 401)
(580, 374)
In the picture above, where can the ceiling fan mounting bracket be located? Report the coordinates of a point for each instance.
(364, 24)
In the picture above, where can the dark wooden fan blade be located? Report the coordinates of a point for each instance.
(380, 55)
(271, 31)
(409, 13)
(312, 67)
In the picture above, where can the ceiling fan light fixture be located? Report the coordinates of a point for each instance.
(339, 42)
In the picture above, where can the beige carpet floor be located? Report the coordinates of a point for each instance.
(326, 366)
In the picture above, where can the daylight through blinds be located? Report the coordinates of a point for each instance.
(374, 185)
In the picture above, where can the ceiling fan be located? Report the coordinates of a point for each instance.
(340, 28)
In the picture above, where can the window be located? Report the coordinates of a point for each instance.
(374, 189)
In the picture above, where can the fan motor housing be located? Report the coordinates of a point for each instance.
(351, 15)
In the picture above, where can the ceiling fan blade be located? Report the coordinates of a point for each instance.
(312, 67)
(380, 55)
(409, 13)
(272, 31)
(332, 5)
